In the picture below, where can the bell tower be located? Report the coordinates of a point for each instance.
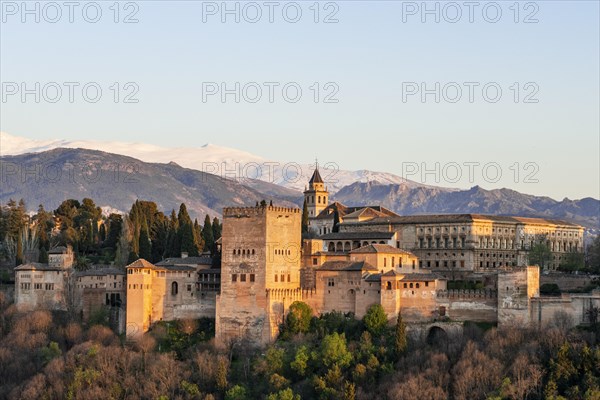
(316, 195)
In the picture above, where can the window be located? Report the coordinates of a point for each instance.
(189, 288)
(405, 286)
(417, 285)
(282, 278)
(315, 261)
(389, 285)
(233, 277)
(252, 277)
(330, 282)
(242, 277)
(426, 284)
(289, 278)
(174, 288)
(413, 264)
(276, 277)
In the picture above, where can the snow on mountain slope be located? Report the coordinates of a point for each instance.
(213, 159)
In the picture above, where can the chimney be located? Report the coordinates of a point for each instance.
(184, 254)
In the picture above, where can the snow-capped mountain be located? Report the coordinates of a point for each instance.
(218, 160)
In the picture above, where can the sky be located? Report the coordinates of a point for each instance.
(456, 94)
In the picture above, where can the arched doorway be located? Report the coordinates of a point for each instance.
(437, 336)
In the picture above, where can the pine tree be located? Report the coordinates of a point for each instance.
(207, 235)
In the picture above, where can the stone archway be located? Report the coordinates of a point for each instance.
(437, 336)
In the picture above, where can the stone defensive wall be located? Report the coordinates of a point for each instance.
(468, 305)
(241, 212)
(467, 294)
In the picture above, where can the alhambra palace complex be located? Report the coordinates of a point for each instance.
(359, 256)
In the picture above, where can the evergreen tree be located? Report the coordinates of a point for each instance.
(145, 248)
(336, 221)
(400, 339)
(207, 235)
(173, 244)
(217, 228)
(43, 256)
(304, 218)
(123, 252)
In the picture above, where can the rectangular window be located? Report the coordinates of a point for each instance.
(330, 282)
(276, 277)
(462, 263)
(282, 278)
(413, 264)
(289, 278)
(252, 277)
(315, 262)
(426, 284)
(243, 277)
(189, 288)
(233, 277)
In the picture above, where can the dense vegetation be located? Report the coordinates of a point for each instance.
(145, 232)
(48, 356)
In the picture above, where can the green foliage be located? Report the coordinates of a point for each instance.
(298, 318)
(237, 392)
(50, 352)
(99, 316)
(304, 218)
(592, 256)
(300, 363)
(208, 235)
(400, 336)
(572, 261)
(334, 351)
(375, 319)
(550, 289)
(540, 253)
(145, 247)
(286, 394)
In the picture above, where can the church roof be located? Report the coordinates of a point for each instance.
(316, 178)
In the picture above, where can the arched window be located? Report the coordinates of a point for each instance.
(174, 288)
(234, 252)
(389, 285)
(411, 285)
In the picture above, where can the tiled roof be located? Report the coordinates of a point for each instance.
(141, 263)
(346, 266)
(458, 218)
(201, 260)
(58, 250)
(381, 248)
(34, 266)
(100, 272)
(373, 278)
(358, 236)
(421, 277)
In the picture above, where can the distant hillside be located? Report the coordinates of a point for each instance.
(406, 200)
(117, 181)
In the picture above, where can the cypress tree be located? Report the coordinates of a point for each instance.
(207, 235)
(145, 248)
(400, 339)
(304, 218)
(217, 228)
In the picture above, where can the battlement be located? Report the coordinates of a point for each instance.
(248, 212)
(467, 294)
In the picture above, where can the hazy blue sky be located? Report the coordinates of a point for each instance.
(372, 54)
